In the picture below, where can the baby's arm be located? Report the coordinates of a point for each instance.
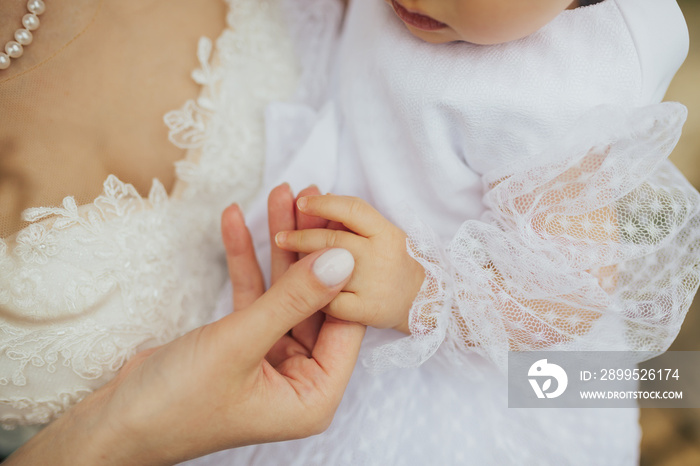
(387, 279)
(591, 247)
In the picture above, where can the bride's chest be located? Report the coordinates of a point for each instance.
(95, 107)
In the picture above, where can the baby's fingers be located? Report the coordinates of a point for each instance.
(308, 241)
(353, 212)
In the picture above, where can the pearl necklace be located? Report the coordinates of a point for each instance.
(23, 36)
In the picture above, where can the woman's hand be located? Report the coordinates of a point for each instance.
(212, 389)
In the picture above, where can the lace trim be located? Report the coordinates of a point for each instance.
(188, 125)
(42, 412)
(24, 294)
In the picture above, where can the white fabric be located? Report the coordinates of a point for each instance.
(531, 177)
(555, 130)
(660, 36)
(84, 288)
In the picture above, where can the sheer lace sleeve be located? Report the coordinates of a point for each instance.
(592, 245)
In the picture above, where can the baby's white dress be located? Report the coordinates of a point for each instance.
(522, 172)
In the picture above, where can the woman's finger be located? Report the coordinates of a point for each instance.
(308, 222)
(353, 212)
(336, 351)
(281, 216)
(243, 268)
(306, 332)
(285, 348)
(308, 241)
(308, 286)
(336, 226)
(347, 306)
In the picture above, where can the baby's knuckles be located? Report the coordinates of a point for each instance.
(375, 224)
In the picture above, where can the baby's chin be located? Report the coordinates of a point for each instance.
(442, 36)
(449, 35)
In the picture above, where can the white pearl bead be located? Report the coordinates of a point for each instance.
(30, 21)
(23, 36)
(14, 49)
(36, 6)
(4, 61)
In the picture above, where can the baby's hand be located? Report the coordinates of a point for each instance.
(386, 279)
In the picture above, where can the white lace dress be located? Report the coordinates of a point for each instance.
(84, 288)
(533, 182)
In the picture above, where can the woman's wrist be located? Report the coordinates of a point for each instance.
(84, 435)
(77, 437)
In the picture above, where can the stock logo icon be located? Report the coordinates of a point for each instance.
(546, 372)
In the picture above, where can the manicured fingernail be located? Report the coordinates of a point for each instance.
(301, 203)
(280, 238)
(334, 266)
